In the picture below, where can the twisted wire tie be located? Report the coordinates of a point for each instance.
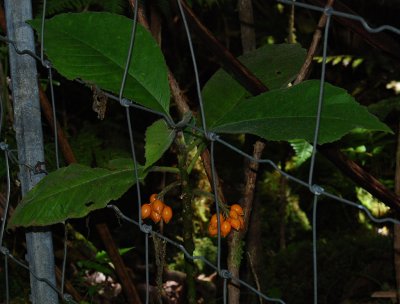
(225, 274)
(146, 228)
(124, 102)
(328, 10)
(211, 136)
(68, 298)
(4, 250)
(316, 189)
(3, 146)
(47, 64)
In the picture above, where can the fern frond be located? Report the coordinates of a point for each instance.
(302, 149)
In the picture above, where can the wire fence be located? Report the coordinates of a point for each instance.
(212, 138)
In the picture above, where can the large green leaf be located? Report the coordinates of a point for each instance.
(72, 192)
(93, 47)
(158, 139)
(275, 65)
(290, 113)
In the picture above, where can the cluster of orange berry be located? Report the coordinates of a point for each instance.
(156, 210)
(234, 220)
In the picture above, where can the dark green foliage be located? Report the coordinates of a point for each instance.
(350, 269)
(274, 65)
(94, 145)
(159, 138)
(56, 6)
(18, 281)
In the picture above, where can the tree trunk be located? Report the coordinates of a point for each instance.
(248, 36)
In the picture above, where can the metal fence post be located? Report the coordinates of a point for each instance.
(28, 128)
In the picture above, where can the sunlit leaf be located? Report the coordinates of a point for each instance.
(93, 46)
(73, 192)
(291, 113)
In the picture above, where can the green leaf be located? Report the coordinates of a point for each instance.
(93, 46)
(290, 113)
(302, 149)
(90, 265)
(72, 192)
(274, 64)
(102, 256)
(158, 139)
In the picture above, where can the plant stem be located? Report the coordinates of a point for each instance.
(187, 214)
(200, 150)
(164, 169)
(168, 188)
(236, 243)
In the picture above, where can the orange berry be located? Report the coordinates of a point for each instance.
(213, 231)
(157, 206)
(146, 211)
(238, 209)
(235, 223)
(225, 228)
(156, 217)
(166, 214)
(233, 214)
(153, 197)
(214, 221)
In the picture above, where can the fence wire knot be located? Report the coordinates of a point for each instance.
(146, 228)
(40, 168)
(68, 298)
(4, 251)
(317, 190)
(225, 274)
(3, 146)
(211, 136)
(47, 64)
(328, 10)
(124, 102)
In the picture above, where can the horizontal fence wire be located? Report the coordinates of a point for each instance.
(212, 138)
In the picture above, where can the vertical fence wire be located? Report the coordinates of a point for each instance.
(132, 144)
(320, 97)
(218, 212)
(47, 64)
(4, 219)
(1, 110)
(7, 287)
(212, 138)
(314, 249)
(327, 11)
(194, 62)
(8, 189)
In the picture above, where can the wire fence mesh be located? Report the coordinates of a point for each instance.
(213, 139)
